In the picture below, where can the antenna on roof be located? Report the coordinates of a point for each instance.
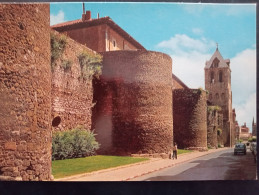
(83, 8)
(217, 46)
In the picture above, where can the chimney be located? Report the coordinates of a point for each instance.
(86, 16)
(98, 16)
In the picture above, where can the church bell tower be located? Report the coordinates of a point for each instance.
(218, 84)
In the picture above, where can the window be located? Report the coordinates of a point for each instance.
(223, 96)
(212, 77)
(210, 97)
(215, 63)
(114, 43)
(217, 96)
(220, 76)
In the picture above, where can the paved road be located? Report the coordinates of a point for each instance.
(222, 165)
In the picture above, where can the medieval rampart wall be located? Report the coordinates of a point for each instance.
(212, 127)
(190, 118)
(139, 96)
(72, 95)
(25, 85)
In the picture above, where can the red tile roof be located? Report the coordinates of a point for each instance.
(75, 24)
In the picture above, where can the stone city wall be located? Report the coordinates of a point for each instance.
(72, 96)
(25, 87)
(139, 96)
(220, 127)
(190, 118)
(212, 127)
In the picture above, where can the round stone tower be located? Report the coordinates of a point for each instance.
(25, 87)
(140, 98)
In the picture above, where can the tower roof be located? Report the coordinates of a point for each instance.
(223, 63)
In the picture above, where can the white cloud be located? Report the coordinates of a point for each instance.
(59, 18)
(243, 67)
(189, 56)
(245, 112)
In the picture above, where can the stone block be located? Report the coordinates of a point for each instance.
(10, 145)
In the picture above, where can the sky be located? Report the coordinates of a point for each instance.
(189, 34)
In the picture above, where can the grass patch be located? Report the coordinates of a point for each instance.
(68, 167)
(182, 151)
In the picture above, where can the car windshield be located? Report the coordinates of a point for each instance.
(240, 146)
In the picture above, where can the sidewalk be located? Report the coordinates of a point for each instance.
(128, 172)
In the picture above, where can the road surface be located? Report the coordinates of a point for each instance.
(222, 165)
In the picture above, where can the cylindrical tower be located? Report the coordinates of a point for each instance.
(190, 118)
(25, 87)
(141, 84)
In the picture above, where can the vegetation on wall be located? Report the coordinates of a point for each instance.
(58, 44)
(74, 143)
(66, 64)
(91, 64)
(200, 89)
(214, 108)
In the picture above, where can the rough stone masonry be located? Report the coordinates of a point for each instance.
(25, 92)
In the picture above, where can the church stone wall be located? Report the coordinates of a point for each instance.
(190, 118)
(25, 87)
(139, 96)
(72, 96)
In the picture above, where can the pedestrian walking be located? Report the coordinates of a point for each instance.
(174, 151)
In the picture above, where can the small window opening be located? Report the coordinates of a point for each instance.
(114, 43)
(56, 121)
(220, 77)
(212, 77)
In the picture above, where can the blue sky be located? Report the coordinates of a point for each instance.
(188, 33)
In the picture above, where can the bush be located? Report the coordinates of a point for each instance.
(74, 143)
(252, 139)
(91, 64)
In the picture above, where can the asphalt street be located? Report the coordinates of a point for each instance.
(222, 165)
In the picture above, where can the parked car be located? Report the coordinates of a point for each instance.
(240, 149)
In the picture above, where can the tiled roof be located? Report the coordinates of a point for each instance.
(75, 24)
(222, 62)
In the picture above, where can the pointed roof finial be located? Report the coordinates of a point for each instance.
(217, 46)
